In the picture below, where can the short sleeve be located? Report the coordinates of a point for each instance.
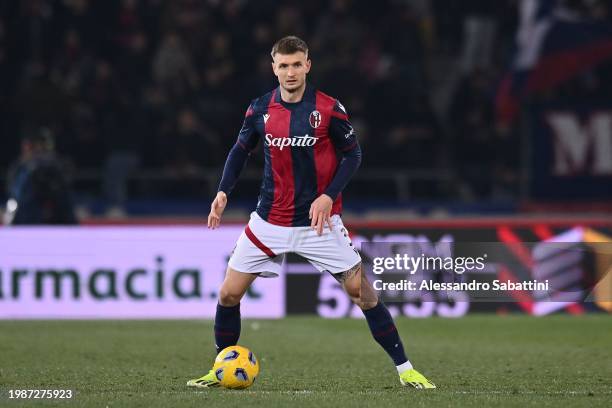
(341, 131)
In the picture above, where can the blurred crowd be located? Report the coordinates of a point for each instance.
(152, 84)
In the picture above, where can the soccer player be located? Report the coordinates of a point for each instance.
(311, 152)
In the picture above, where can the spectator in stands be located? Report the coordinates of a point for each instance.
(190, 146)
(38, 190)
(71, 65)
(479, 31)
(472, 120)
(173, 68)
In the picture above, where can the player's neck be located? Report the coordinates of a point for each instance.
(293, 97)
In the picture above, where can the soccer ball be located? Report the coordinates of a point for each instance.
(236, 367)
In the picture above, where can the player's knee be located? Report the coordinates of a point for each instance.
(229, 297)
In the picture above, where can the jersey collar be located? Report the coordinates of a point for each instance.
(309, 96)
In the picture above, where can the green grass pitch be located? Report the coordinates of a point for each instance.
(480, 360)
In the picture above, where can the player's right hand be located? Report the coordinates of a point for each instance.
(216, 210)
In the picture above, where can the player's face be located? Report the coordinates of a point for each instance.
(291, 70)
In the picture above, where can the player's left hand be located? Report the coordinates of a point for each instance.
(320, 213)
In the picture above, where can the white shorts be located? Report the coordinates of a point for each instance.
(262, 247)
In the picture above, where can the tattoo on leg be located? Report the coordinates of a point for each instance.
(344, 276)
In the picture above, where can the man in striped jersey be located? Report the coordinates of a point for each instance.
(311, 152)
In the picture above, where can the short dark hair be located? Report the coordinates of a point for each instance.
(289, 45)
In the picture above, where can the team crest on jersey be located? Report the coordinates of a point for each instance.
(315, 119)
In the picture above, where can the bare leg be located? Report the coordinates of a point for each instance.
(358, 287)
(234, 287)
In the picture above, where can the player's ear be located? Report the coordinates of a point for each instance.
(308, 64)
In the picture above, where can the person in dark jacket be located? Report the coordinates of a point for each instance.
(38, 190)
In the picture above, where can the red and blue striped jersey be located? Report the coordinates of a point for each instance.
(303, 143)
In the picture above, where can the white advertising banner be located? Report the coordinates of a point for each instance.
(123, 273)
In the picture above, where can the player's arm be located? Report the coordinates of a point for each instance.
(344, 139)
(235, 162)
